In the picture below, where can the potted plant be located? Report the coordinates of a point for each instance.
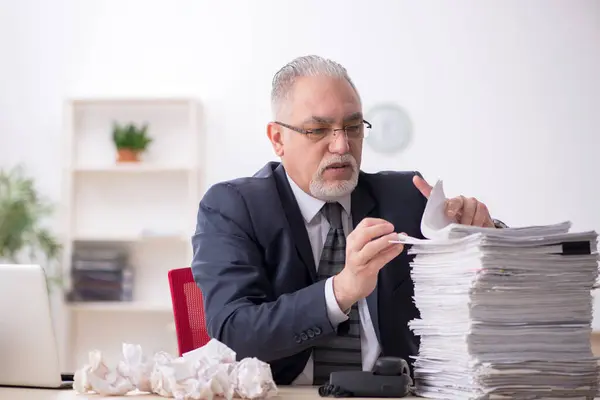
(23, 239)
(130, 141)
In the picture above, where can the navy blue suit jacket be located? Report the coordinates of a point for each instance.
(254, 265)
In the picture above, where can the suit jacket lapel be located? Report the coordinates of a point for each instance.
(363, 205)
(295, 221)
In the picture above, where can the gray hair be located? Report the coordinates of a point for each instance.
(303, 66)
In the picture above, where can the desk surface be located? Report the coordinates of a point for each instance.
(285, 392)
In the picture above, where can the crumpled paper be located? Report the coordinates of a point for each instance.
(202, 374)
(98, 377)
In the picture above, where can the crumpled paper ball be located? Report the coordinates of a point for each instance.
(207, 372)
(135, 367)
(99, 378)
(253, 379)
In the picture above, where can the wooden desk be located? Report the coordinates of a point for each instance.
(285, 392)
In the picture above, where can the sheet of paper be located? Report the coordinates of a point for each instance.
(503, 313)
(435, 218)
(435, 223)
(438, 226)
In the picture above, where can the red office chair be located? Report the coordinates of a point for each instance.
(188, 310)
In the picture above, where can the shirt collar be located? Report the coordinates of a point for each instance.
(309, 205)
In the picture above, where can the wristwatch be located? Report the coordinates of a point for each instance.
(499, 224)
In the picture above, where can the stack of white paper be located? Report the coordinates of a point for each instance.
(505, 313)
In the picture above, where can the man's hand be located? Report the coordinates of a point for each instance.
(467, 211)
(367, 251)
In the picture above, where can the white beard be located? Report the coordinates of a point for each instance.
(330, 190)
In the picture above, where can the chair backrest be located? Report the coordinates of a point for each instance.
(188, 310)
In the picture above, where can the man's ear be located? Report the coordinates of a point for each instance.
(275, 135)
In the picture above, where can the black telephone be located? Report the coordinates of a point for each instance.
(390, 377)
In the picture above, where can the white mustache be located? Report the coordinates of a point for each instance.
(346, 158)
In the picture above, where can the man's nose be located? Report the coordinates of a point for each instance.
(339, 143)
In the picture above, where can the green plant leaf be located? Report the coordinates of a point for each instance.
(129, 136)
(23, 239)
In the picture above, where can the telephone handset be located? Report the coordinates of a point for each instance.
(390, 377)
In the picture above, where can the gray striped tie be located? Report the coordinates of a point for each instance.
(341, 352)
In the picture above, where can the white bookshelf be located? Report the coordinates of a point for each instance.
(148, 209)
(120, 307)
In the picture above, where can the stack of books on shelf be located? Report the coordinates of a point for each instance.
(504, 313)
(101, 275)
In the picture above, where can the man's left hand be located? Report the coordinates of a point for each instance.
(464, 210)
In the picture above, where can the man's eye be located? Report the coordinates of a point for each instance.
(319, 131)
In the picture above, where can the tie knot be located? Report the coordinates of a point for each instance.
(333, 213)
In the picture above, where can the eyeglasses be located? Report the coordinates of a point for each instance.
(356, 131)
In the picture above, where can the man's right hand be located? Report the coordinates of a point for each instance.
(367, 251)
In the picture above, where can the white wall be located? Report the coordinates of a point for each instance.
(504, 95)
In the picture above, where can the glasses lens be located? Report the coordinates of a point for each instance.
(366, 130)
(354, 131)
(318, 133)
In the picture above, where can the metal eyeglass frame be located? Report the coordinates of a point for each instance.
(309, 131)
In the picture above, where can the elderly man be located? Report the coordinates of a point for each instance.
(295, 262)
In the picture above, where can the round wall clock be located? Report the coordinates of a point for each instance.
(391, 128)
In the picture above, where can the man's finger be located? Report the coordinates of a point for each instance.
(385, 257)
(373, 248)
(422, 185)
(481, 215)
(365, 222)
(489, 223)
(455, 206)
(360, 237)
(468, 213)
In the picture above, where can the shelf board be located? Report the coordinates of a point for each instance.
(132, 168)
(142, 100)
(119, 306)
(128, 238)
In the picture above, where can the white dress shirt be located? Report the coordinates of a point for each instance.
(317, 227)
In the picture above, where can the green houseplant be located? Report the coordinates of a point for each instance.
(23, 239)
(130, 141)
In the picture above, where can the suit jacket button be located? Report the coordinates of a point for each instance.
(297, 339)
(311, 333)
(317, 330)
(303, 336)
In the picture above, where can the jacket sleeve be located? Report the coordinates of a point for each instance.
(240, 306)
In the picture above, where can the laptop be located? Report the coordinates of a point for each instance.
(28, 347)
